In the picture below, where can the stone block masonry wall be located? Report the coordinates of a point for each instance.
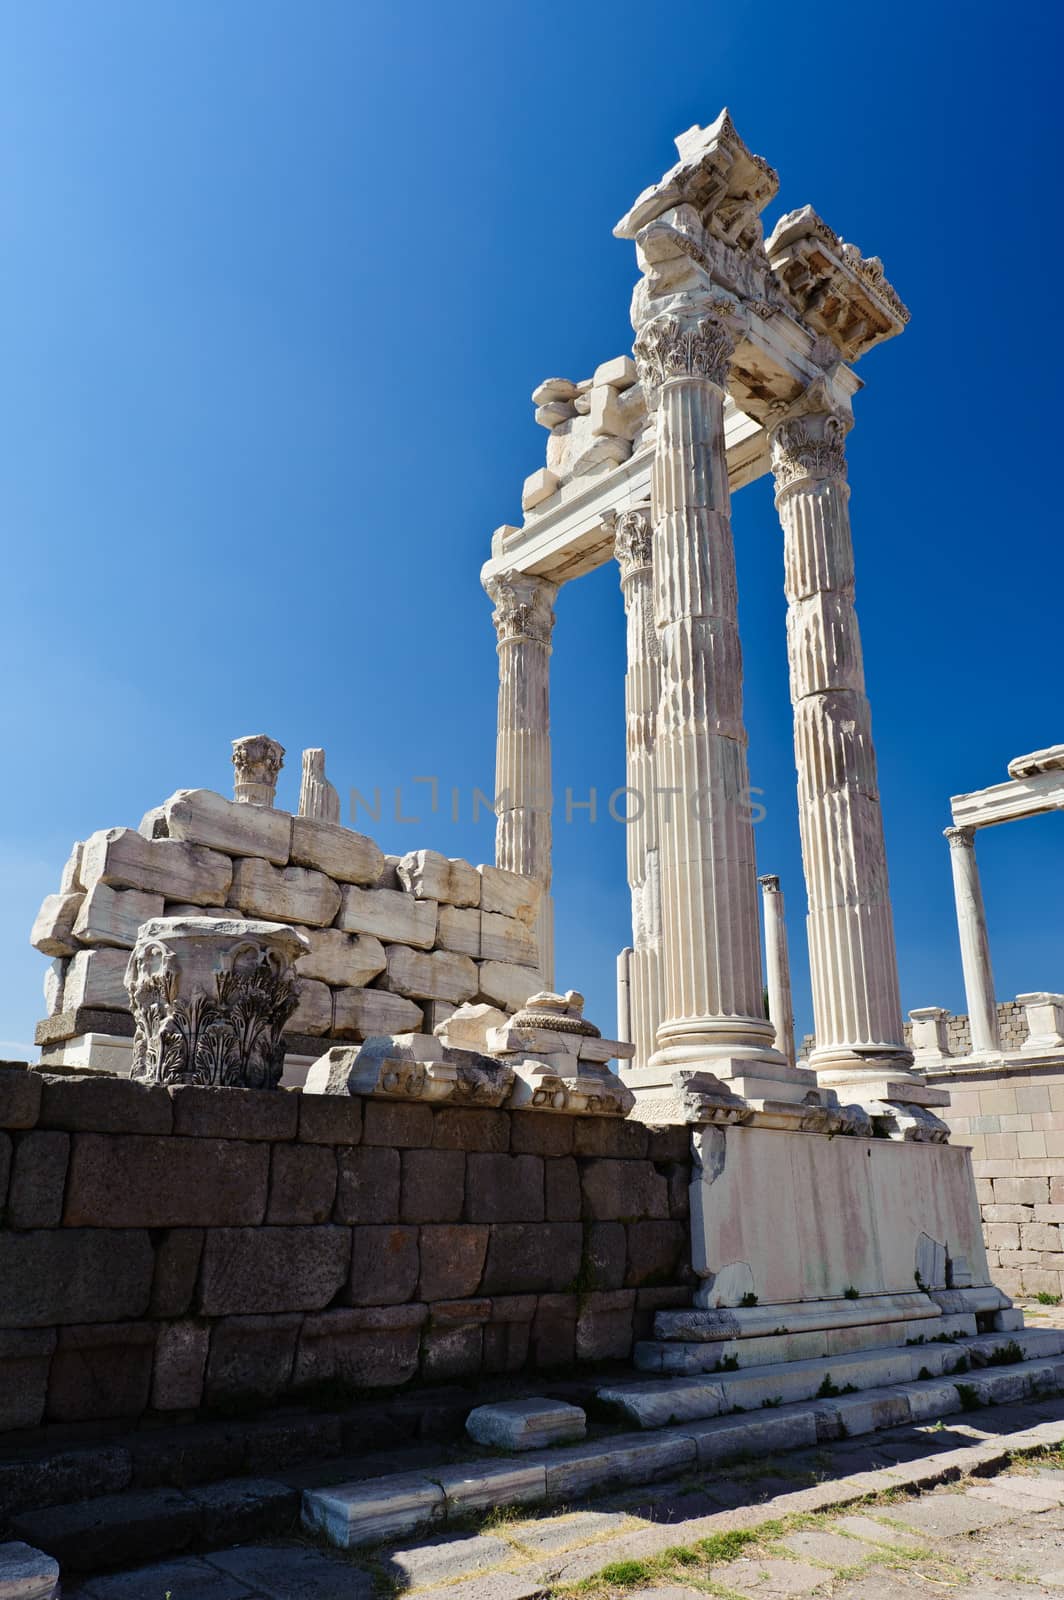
(395, 944)
(168, 1250)
(1012, 1023)
(1012, 1117)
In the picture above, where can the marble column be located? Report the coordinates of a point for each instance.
(713, 1016)
(524, 620)
(852, 958)
(633, 541)
(777, 965)
(975, 943)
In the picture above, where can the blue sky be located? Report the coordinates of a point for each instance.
(278, 282)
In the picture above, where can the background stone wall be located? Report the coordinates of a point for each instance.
(1011, 1021)
(1013, 1121)
(169, 1249)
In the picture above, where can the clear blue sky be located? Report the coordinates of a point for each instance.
(278, 282)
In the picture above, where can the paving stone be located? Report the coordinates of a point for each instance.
(286, 1573)
(550, 1533)
(874, 1532)
(830, 1549)
(444, 1559)
(187, 1578)
(947, 1516)
(764, 1576)
(27, 1574)
(1012, 1494)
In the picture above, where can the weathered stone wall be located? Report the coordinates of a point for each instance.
(170, 1249)
(395, 943)
(1012, 1117)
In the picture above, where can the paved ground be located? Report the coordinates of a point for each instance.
(847, 1521)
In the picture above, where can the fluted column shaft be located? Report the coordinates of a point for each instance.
(711, 953)
(852, 958)
(632, 548)
(778, 966)
(524, 620)
(974, 942)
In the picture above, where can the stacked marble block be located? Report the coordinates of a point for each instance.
(396, 944)
(594, 426)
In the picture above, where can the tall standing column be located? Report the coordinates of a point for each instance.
(777, 965)
(975, 943)
(852, 959)
(524, 620)
(711, 948)
(633, 542)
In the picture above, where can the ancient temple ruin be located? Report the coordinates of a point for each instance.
(309, 1117)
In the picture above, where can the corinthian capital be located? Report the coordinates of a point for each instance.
(960, 838)
(633, 542)
(523, 607)
(674, 347)
(809, 441)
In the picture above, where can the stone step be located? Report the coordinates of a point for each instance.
(673, 1357)
(352, 1515)
(121, 1529)
(665, 1401)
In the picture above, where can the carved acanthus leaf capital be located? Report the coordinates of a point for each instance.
(674, 347)
(257, 760)
(633, 542)
(960, 838)
(523, 607)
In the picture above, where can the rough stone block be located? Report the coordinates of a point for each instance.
(734, 1437)
(112, 916)
(104, 1105)
(370, 1348)
(470, 1129)
(49, 1277)
(368, 1185)
(53, 927)
(552, 1341)
(284, 894)
(97, 978)
(124, 859)
(604, 1325)
(26, 1573)
(538, 486)
(313, 1013)
(5, 1167)
(562, 1190)
(441, 975)
(1044, 1236)
(610, 1136)
(532, 1257)
(38, 1178)
(384, 1266)
(165, 1183)
(20, 1097)
(339, 852)
(459, 930)
(240, 1509)
(101, 1371)
(391, 1122)
(452, 1261)
(507, 939)
(508, 986)
(180, 1366)
(509, 893)
(330, 1119)
(201, 817)
(431, 876)
(605, 1255)
(54, 979)
(252, 1270)
(302, 1184)
(538, 1133)
(369, 1013)
(202, 1111)
(1021, 1191)
(343, 960)
(433, 1187)
(616, 1189)
(657, 1252)
(25, 1359)
(177, 1259)
(390, 915)
(504, 1188)
(251, 1358)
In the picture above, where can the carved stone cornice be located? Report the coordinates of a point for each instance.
(960, 838)
(675, 347)
(633, 542)
(523, 607)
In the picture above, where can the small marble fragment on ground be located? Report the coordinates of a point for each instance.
(526, 1424)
